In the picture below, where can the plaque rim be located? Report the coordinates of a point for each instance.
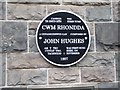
(63, 65)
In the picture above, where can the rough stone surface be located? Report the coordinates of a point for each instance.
(118, 66)
(115, 0)
(86, 2)
(2, 69)
(98, 13)
(35, 1)
(1, 42)
(27, 77)
(116, 11)
(33, 27)
(14, 35)
(98, 60)
(91, 27)
(97, 74)
(32, 44)
(63, 75)
(107, 36)
(26, 67)
(91, 44)
(76, 9)
(2, 0)
(26, 11)
(109, 86)
(26, 61)
(2, 10)
(14, 88)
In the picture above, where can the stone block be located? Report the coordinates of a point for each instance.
(63, 75)
(32, 44)
(108, 86)
(91, 44)
(118, 66)
(33, 27)
(91, 27)
(107, 36)
(26, 61)
(1, 42)
(14, 35)
(27, 77)
(98, 13)
(115, 0)
(86, 2)
(2, 69)
(76, 9)
(61, 87)
(13, 88)
(35, 1)
(2, 10)
(98, 60)
(116, 11)
(97, 74)
(2, 0)
(26, 11)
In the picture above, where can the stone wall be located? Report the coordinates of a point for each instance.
(21, 64)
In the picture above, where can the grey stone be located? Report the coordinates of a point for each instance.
(118, 66)
(98, 60)
(108, 85)
(61, 87)
(91, 44)
(14, 88)
(35, 1)
(33, 27)
(97, 74)
(115, 0)
(14, 35)
(91, 27)
(68, 86)
(2, 10)
(116, 11)
(26, 61)
(107, 36)
(2, 69)
(98, 13)
(1, 37)
(64, 75)
(26, 11)
(76, 9)
(86, 2)
(32, 44)
(2, 1)
(27, 77)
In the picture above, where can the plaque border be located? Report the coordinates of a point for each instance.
(65, 65)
